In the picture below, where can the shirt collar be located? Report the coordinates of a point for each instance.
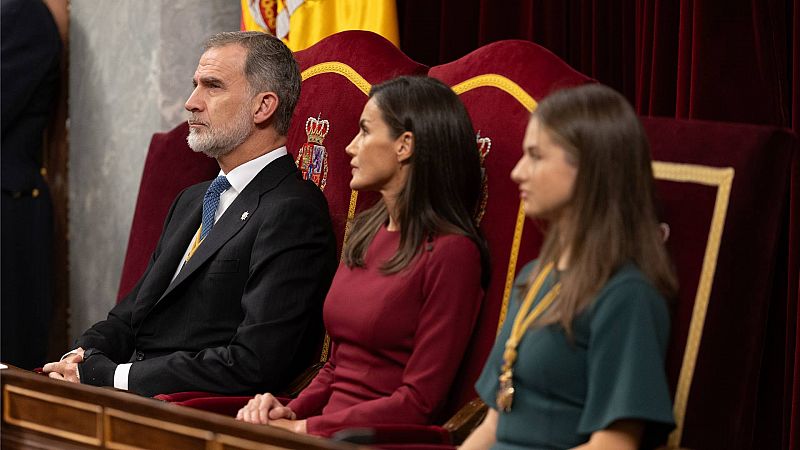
(243, 174)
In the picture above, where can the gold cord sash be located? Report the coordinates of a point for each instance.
(522, 321)
(195, 243)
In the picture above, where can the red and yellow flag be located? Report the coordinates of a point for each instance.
(259, 15)
(302, 23)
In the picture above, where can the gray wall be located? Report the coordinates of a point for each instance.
(131, 64)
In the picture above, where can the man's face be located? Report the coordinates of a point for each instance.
(221, 104)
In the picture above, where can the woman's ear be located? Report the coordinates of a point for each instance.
(267, 104)
(406, 148)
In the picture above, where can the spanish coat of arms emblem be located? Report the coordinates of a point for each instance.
(312, 159)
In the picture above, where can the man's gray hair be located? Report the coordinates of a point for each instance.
(269, 66)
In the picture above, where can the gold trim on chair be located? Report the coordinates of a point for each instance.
(722, 178)
(341, 69)
(351, 213)
(364, 86)
(527, 102)
(326, 349)
(499, 82)
(512, 265)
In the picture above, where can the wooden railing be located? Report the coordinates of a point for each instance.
(42, 413)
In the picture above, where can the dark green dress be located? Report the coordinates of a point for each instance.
(613, 369)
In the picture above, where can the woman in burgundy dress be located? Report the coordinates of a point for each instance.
(403, 303)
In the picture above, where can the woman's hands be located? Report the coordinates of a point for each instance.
(297, 426)
(267, 410)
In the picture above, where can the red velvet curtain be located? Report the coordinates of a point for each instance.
(724, 60)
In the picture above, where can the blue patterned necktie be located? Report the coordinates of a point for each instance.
(211, 202)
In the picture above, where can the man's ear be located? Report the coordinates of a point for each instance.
(405, 148)
(267, 104)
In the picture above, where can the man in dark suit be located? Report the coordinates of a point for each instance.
(231, 300)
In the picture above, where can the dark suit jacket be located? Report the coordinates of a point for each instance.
(244, 314)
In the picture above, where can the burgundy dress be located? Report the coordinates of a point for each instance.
(397, 340)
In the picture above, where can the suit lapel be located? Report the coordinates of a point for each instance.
(234, 218)
(167, 262)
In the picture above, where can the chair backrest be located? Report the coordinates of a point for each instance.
(724, 190)
(338, 73)
(500, 85)
(726, 243)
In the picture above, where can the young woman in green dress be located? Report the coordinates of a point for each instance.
(579, 362)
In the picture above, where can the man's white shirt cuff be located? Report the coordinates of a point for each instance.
(71, 352)
(121, 376)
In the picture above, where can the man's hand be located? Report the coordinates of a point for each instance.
(264, 409)
(67, 368)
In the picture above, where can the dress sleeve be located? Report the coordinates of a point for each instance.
(315, 396)
(625, 358)
(452, 299)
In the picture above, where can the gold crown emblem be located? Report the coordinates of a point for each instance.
(317, 129)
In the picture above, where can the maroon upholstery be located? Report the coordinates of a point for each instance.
(735, 276)
(725, 393)
(331, 70)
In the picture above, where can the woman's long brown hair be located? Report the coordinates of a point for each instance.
(611, 218)
(443, 186)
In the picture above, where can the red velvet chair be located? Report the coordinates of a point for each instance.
(727, 243)
(727, 192)
(337, 74)
(499, 89)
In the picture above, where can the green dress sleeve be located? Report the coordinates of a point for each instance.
(629, 332)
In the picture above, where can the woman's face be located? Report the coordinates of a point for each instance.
(544, 174)
(376, 157)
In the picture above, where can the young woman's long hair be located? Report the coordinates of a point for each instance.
(443, 187)
(611, 218)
